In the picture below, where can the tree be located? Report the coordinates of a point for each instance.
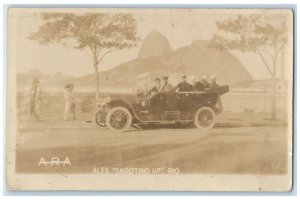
(99, 34)
(260, 34)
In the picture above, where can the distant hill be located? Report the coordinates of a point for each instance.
(156, 59)
(196, 59)
(34, 72)
(123, 75)
(27, 77)
(200, 58)
(57, 77)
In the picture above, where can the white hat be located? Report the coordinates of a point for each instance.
(212, 77)
(193, 78)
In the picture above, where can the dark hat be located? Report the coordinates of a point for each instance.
(70, 85)
(165, 77)
(183, 76)
(35, 81)
(157, 79)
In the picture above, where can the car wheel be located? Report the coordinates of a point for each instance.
(100, 118)
(118, 119)
(205, 118)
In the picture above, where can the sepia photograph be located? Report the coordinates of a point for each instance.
(149, 99)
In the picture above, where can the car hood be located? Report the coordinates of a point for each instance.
(119, 96)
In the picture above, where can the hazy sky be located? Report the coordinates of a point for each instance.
(180, 27)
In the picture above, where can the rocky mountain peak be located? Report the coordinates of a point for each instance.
(154, 44)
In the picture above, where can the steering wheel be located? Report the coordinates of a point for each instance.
(146, 94)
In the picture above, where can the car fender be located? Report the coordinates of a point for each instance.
(125, 104)
(208, 104)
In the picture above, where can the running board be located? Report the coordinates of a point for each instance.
(163, 122)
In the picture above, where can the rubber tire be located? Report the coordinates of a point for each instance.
(206, 108)
(108, 124)
(95, 119)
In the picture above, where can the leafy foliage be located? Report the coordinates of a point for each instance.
(99, 33)
(250, 33)
(261, 34)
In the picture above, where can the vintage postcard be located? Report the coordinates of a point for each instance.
(149, 99)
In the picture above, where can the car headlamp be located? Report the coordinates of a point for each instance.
(103, 101)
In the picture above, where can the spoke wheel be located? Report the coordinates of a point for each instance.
(100, 118)
(118, 119)
(204, 118)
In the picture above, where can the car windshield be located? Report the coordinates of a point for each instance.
(141, 86)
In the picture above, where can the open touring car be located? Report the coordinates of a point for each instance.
(119, 111)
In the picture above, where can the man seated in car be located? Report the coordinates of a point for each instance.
(155, 89)
(155, 102)
(183, 86)
(203, 84)
(166, 87)
(213, 83)
(196, 85)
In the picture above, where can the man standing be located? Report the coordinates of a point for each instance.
(67, 98)
(73, 106)
(33, 93)
(38, 104)
(69, 102)
(166, 87)
(183, 86)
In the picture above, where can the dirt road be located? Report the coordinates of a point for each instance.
(243, 150)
